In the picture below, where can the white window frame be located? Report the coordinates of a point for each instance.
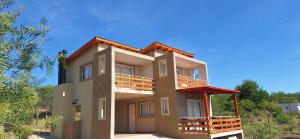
(148, 109)
(102, 109)
(160, 62)
(162, 105)
(101, 64)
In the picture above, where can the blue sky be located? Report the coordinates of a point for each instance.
(257, 40)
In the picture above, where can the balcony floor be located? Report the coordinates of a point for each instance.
(125, 96)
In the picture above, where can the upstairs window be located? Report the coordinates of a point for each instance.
(124, 69)
(101, 64)
(162, 66)
(86, 72)
(147, 109)
(179, 71)
(202, 73)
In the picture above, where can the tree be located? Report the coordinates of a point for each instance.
(45, 94)
(21, 51)
(282, 97)
(252, 91)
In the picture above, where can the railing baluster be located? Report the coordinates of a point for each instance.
(134, 82)
(211, 125)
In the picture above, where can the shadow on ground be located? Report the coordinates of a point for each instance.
(41, 135)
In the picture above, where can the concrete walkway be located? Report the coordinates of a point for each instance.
(139, 136)
(41, 135)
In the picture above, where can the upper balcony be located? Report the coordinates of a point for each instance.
(133, 75)
(189, 82)
(190, 72)
(132, 82)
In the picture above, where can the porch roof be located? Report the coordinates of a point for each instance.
(208, 89)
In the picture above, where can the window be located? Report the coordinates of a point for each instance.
(196, 74)
(179, 71)
(101, 64)
(147, 109)
(102, 109)
(162, 65)
(195, 108)
(202, 73)
(124, 69)
(164, 106)
(86, 72)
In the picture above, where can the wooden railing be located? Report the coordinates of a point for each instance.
(134, 82)
(209, 125)
(189, 82)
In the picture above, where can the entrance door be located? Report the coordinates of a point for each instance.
(195, 108)
(131, 116)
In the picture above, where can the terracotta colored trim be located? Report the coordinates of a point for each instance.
(236, 105)
(165, 48)
(92, 43)
(116, 44)
(205, 101)
(210, 90)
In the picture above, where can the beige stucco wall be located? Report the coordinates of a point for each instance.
(62, 106)
(83, 90)
(143, 124)
(147, 70)
(103, 87)
(166, 87)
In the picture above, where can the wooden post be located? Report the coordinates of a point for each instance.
(206, 108)
(236, 105)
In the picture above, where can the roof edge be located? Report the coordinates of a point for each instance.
(164, 47)
(94, 40)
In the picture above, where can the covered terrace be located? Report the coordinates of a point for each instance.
(210, 124)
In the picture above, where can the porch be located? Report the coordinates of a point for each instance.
(209, 124)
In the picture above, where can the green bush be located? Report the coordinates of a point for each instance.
(6, 135)
(283, 119)
(247, 105)
(24, 132)
(52, 122)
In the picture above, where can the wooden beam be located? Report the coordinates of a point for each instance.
(206, 107)
(236, 105)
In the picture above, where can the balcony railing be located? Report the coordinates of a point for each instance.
(209, 125)
(189, 82)
(134, 82)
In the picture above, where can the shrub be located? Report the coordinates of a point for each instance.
(24, 132)
(52, 122)
(283, 118)
(247, 105)
(5, 135)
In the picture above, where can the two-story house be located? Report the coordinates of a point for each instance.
(107, 88)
